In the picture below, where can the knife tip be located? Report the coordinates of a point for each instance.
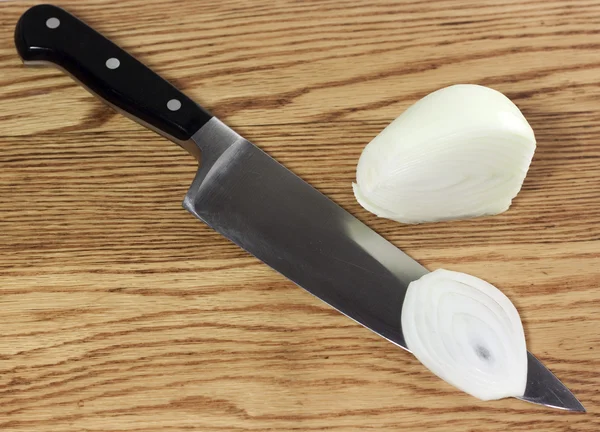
(577, 407)
(544, 388)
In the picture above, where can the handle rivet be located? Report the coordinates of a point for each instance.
(174, 104)
(52, 23)
(113, 63)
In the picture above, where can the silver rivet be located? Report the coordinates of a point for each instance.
(113, 63)
(174, 104)
(52, 23)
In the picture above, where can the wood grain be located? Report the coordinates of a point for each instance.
(120, 312)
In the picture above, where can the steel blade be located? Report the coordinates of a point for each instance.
(260, 205)
(544, 388)
(251, 199)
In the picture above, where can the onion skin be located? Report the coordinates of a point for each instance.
(467, 332)
(460, 152)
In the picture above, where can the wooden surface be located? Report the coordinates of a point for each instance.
(120, 312)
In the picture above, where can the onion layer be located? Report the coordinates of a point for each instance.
(460, 152)
(466, 332)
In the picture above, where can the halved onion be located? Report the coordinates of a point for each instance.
(466, 332)
(460, 152)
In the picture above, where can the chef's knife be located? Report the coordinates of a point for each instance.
(247, 196)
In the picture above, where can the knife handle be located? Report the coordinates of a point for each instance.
(49, 34)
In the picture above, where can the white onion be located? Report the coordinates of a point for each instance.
(460, 152)
(466, 332)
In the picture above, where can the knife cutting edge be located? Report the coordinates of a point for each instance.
(247, 196)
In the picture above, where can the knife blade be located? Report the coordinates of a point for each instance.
(247, 196)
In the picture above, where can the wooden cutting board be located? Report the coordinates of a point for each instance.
(121, 312)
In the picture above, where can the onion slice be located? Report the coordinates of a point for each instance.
(460, 152)
(467, 332)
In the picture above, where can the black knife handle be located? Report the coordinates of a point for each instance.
(47, 33)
